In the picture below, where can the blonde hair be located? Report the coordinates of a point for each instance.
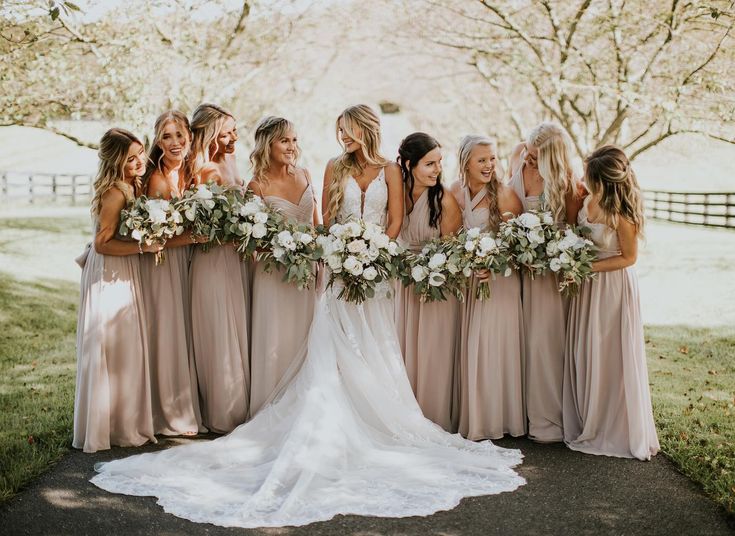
(463, 157)
(206, 125)
(113, 154)
(155, 156)
(346, 164)
(269, 129)
(554, 166)
(610, 176)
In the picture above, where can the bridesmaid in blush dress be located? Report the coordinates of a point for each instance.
(284, 312)
(607, 404)
(112, 404)
(428, 332)
(174, 394)
(220, 287)
(542, 178)
(491, 337)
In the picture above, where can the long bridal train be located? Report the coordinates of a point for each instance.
(346, 436)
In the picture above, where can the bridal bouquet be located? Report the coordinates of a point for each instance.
(570, 255)
(360, 255)
(482, 251)
(295, 249)
(151, 221)
(207, 208)
(436, 271)
(526, 236)
(251, 224)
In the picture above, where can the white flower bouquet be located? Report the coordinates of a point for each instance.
(526, 236)
(207, 209)
(570, 255)
(151, 221)
(359, 255)
(483, 251)
(436, 272)
(251, 224)
(295, 250)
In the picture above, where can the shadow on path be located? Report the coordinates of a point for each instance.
(567, 493)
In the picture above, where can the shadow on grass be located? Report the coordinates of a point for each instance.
(37, 370)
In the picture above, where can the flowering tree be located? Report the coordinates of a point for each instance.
(610, 71)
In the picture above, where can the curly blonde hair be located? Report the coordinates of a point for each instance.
(267, 131)
(463, 158)
(610, 176)
(363, 117)
(554, 166)
(113, 154)
(206, 125)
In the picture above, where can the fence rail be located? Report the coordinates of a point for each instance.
(32, 187)
(710, 209)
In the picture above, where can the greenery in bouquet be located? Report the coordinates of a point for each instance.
(151, 221)
(570, 255)
(525, 237)
(360, 256)
(483, 251)
(295, 251)
(252, 225)
(208, 208)
(436, 272)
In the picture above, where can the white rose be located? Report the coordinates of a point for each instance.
(285, 239)
(548, 218)
(535, 236)
(555, 265)
(469, 245)
(552, 248)
(336, 229)
(278, 252)
(370, 273)
(473, 233)
(487, 243)
(437, 260)
(259, 230)
(322, 241)
(564, 258)
(305, 238)
(248, 208)
(157, 216)
(202, 192)
(529, 220)
(370, 231)
(436, 279)
(260, 217)
(165, 205)
(352, 265)
(372, 253)
(357, 246)
(246, 228)
(335, 263)
(393, 249)
(136, 235)
(352, 229)
(176, 216)
(418, 273)
(380, 240)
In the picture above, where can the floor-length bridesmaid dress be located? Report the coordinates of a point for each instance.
(220, 318)
(607, 403)
(280, 327)
(112, 404)
(428, 332)
(491, 349)
(544, 320)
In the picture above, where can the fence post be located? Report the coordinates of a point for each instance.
(54, 194)
(30, 188)
(706, 209)
(4, 185)
(728, 211)
(73, 189)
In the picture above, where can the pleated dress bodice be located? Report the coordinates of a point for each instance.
(474, 215)
(415, 230)
(295, 213)
(530, 202)
(604, 237)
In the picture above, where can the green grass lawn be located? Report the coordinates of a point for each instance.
(692, 374)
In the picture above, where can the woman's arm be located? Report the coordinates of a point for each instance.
(628, 240)
(574, 201)
(328, 172)
(509, 205)
(456, 190)
(105, 243)
(451, 215)
(394, 180)
(515, 159)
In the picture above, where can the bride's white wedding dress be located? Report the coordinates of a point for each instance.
(345, 436)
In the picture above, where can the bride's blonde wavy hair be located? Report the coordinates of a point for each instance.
(554, 166)
(206, 125)
(113, 153)
(360, 117)
(611, 178)
(268, 130)
(463, 157)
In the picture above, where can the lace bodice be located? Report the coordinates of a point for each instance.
(604, 237)
(371, 206)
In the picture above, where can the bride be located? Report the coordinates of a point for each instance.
(343, 436)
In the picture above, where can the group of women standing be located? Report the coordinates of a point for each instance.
(206, 340)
